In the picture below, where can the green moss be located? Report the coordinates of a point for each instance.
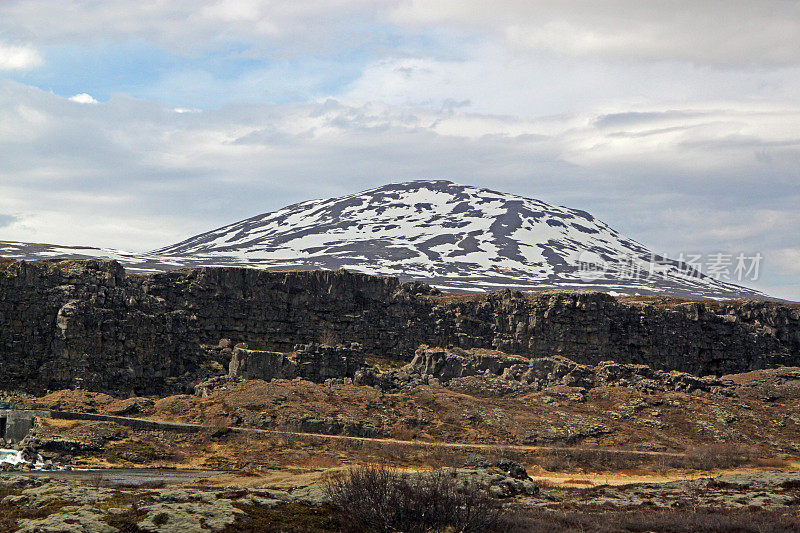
(385, 363)
(128, 521)
(289, 518)
(135, 452)
(11, 513)
(122, 499)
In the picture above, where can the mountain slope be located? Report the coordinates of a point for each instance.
(453, 236)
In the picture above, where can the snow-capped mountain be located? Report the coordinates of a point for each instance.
(451, 236)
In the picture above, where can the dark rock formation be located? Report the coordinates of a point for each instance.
(260, 364)
(86, 324)
(319, 362)
(314, 362)
(696, 337)
(496, 374)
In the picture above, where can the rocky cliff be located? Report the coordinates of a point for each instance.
(88, 324)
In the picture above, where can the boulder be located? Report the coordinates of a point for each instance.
(259, 364)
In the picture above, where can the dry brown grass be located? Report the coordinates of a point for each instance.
(6, 262)
(578, 482)
(54, 423)
(771, 462)
(674, 521)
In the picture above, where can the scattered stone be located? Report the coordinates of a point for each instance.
(483, 373)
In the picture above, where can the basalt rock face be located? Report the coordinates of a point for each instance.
(700, 338)
(260, 364)
(277, 310)
(86, 323)
(314, 362)
(318, 362)
(83, 324)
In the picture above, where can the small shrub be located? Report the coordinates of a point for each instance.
(328, 338)
(379, 499)
(287, 518)
(127, 521)
(588, 460)
(160, 519)
(714, 456)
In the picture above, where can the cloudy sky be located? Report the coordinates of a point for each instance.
(137, 124)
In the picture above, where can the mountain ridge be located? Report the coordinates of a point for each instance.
(455, 237)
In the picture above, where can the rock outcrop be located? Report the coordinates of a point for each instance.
(504, 374)
(260, 364)
(87, 324)
(314, 362)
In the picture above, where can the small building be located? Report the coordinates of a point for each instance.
(16, 423)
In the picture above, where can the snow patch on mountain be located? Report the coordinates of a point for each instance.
(452, 236)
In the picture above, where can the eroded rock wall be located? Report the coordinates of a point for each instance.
(87, 323)
(277, 310)
(697, 337)
(78, 324)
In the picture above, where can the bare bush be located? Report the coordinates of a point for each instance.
(588, 460)
(328, 338)
(719, 455)
(706, 457)
(380, 499)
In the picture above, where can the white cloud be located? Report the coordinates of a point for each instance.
(83, 98)
(715, 32)
(788, 260)
(16, 57)
(190, 26)
(675, 179)
(494, 80)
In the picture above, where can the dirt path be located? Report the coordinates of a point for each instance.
(458, 445)
(151, 424)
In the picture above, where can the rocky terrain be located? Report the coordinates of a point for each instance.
(739, 502)
(89, 324)
(557, 445)
(228, 399)
(549, 443)
(555, 401)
